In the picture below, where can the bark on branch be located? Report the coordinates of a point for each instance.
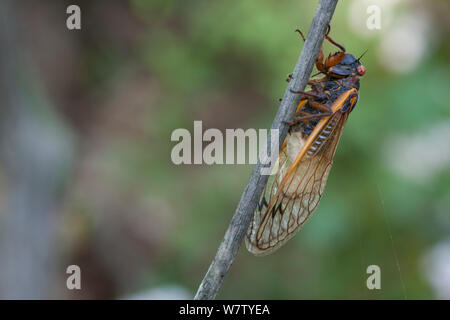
(235, 233)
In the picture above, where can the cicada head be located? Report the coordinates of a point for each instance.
(349, 66)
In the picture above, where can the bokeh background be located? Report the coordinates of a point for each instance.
(86, 176)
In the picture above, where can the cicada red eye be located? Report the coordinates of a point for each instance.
(361, 70)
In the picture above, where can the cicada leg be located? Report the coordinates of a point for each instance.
(315, 81)
(319, 61)
(301, 34)
(308, 94)
(334, 59)
(332, 41)
(325, 111)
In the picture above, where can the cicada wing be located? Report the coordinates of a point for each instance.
(293, 193)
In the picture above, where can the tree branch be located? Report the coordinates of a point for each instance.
(239, 223)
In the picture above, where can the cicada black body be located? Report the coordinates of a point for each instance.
(294, 190)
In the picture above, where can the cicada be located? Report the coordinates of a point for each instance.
(294, 190)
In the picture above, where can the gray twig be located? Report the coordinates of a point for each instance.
(239, 223)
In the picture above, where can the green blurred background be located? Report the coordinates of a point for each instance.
(140, 226)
